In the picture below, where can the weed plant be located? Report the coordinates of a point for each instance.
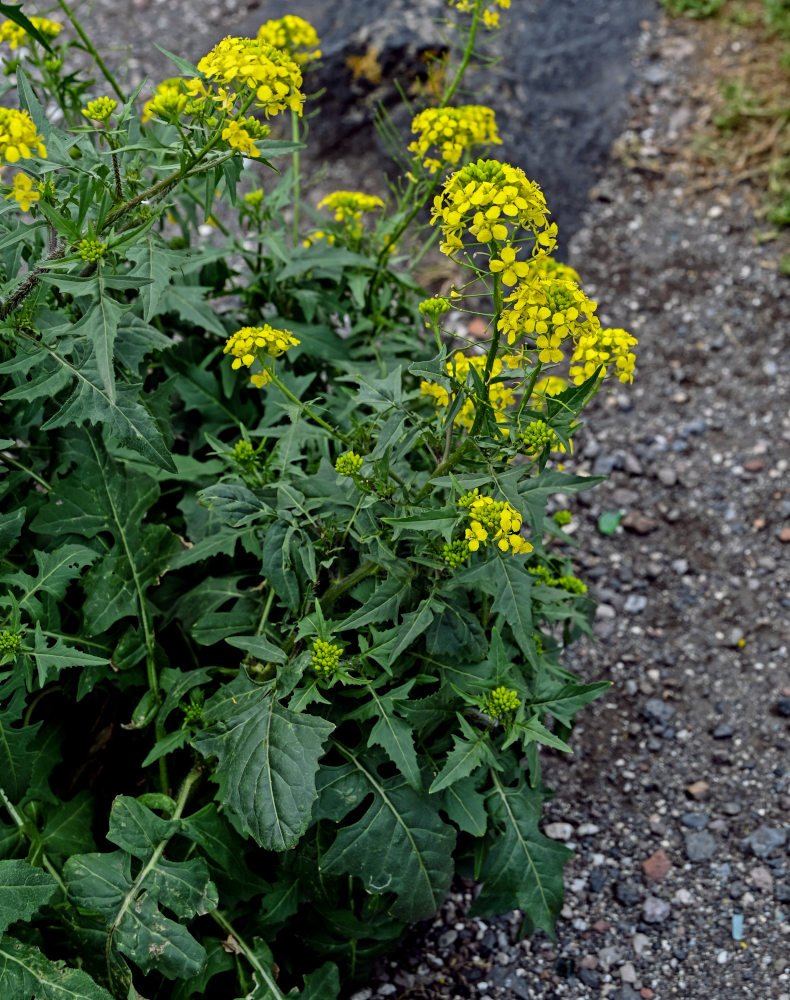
(283, 611)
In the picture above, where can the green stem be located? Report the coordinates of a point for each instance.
(347, 582)
(92, 49)
(249, 954)
(445, 466)
(296, 179)
(22, 825)
(480, 404)
(468, 50)
(4, 457)
(152, 862)
(310, 412)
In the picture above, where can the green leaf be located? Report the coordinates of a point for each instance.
(260, 648)
(394, 735)
(235, 505)
(513, 602)
(323, 984)
(100, 326)
(267, 757)
(523, 868)
(17, 754)
(173, 741)
(10, 528)
(67, 829)
(50, 660)
(412, 627)
(533, 731)
(189, 302)
(441, 521)
(124, 415)
(23, 891)
(455, 634)
(101, 882)
(156, 263)
(26, 972)
(563, 701)
(382, 606)
(56, 570)
(470, 751)
(465, 806)
(400, 846)
(534, 491)
(14, 13)
(277, 565)
(608, 521)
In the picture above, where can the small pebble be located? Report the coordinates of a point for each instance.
(558, 831)
(700, 846)
(655, 910)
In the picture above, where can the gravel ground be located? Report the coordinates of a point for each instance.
(677, 799)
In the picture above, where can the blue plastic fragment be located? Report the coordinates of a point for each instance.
(737, 926)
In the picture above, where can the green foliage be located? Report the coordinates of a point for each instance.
(281, 631)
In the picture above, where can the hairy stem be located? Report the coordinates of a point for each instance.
(250, 955)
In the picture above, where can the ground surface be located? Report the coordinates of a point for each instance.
(677, 800)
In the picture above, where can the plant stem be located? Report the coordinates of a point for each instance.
(445, 466)
(310, 412)
(5, 457)
(152, 862)
(468, 50)
(249, 954)
(480, 404)
(347, 582)
(92, 49)
(22, 824)
(296, 180)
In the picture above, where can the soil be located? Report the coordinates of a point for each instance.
(677, 798)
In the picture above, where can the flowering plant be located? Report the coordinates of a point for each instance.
(281, 631)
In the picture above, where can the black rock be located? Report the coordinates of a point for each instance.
(700, 846)
(782, 892)
(658, 712)
(597, 881)
(695, 821)
(590, 977)
(627, 894)
(723, 731)
(564, 967)
(736, 889)
(764, 840)
(783, 707)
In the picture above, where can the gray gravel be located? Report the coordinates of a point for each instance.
(688, 753)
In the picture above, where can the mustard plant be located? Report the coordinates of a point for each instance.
(282, 613)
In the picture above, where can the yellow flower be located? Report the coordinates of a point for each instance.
(18, 134)
(452, 130)
(258, 345)
(239, 138)
(169, 101)
(250, 62)
(349, 207)
(24, 191)
(511, 268)
(599, 348)
(491, 201)
(100, 109)
(293, 34)
(16, 35)
(493, 520)
(499, 395)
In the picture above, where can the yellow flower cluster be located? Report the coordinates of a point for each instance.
(603, 347)
(537, 435)
(435, 307)
(257, 345)
(547, 309)
(499, 395)
(493, 520)
(242, 133)
(452, 131)
(491, 200)
(169, 101)
(24, 191)
(326, 657)
(249, 62)
(90, 249)
(489, 15)
(16, 35)
(348, 464)
(100, 109)
(500, 702)
(19, 136)
(293, 34)
(348, 207)
(316, 236)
